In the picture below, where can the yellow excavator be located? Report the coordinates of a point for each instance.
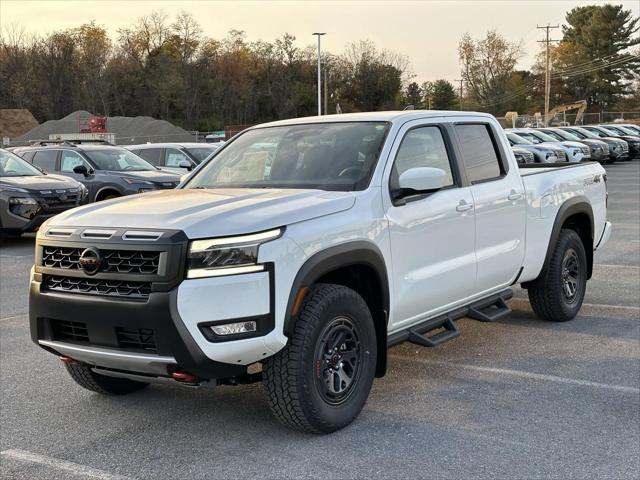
(580, 105)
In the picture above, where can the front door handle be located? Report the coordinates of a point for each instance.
(464, 206)
(514, 195)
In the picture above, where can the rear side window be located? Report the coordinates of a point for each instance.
(151, 155)
(421, 147)
(46, 160)
(479, 152)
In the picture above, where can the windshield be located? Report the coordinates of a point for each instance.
(12, 165)
(555, 136)
(118, 160)
(544, 137)
(564, 135)
(626, 130)
(532, 138)
(612, 130)
(585, 132)
(517, 139)
(326, 156)
(200, 153)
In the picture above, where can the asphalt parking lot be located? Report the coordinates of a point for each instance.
(519, 398)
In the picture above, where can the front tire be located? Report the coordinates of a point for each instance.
(557, 295)
(87, 378)
(321, 380)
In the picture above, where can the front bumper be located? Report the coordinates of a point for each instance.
(97, 341)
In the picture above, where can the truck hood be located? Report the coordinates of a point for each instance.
(209, 213)
(39, 182)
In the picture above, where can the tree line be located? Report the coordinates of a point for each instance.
(173, 71)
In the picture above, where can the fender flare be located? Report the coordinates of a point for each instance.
(573, 206)
(339, 256)
(107, 187)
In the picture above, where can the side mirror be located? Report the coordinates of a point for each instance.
(423, 179)
(81, 169)
(185, 164)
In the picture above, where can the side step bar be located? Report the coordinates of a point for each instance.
(489, 309)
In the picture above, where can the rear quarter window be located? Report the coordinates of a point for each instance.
(481, 159)
(46, 160)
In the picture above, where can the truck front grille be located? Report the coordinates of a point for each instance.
(96, 286)
(70, 331)
(115, 261)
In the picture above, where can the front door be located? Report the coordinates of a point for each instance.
(432, 235)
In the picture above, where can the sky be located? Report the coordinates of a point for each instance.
(426, 31)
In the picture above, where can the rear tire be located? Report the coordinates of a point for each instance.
(87, 378)
(558, 293)
(321, 380)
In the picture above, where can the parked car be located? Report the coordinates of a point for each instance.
(616, 146)
(542, 152)
(603, 133)
(629, 126)
(575, 151)
(523, 156)
(363, 231)
(629, 136)
(29, 196)
(598, 150)
(107, 171)
(175, 157)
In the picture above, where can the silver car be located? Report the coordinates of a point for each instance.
(575, 151)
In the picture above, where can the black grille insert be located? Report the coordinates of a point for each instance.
(95, 286)
(70, 331)
(115, 261)
(136, 339)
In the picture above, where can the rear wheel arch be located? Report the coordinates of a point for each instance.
(575, 214)
(357, 265)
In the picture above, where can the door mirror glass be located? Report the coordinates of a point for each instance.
(81, 169)
(185, 164)
(423, 179)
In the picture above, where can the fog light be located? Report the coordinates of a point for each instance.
(234, 328)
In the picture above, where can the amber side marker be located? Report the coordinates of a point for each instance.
(298, 302)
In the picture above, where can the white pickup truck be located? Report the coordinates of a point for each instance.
(304, 249)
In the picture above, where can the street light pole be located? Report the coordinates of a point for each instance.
(319, 34)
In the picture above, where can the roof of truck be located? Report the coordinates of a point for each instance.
(388, 116)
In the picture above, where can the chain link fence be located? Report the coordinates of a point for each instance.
(570, 119)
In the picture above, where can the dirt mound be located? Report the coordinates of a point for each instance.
(128, 130)
(15, 122)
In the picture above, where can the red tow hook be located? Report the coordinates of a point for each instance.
(67, 360)
(184, 377)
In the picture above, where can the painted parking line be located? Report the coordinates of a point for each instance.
(75, 468)
(522, 374)
(589, 309)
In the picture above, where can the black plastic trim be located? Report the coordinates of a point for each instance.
(573, 206)
(334, 258)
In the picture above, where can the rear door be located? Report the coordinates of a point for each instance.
(46, 160)
(431, 235)
(499, 199)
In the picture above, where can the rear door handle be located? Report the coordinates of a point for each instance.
(464, 206)
(514, 196)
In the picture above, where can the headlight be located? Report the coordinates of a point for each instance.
(24, 207)
(136, 181)
(227, 256)
(83, 192)
(11, 188)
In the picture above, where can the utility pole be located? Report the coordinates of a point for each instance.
(319, 34)
(326, 92)
(547, 73)
(460, 94)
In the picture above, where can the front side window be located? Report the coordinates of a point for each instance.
(13, 166)
(478, 152)
(46, 160)
(151, 155)
(421, 147)
(339, 156)
(118, 160)
(174, 157)
(69, 160)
